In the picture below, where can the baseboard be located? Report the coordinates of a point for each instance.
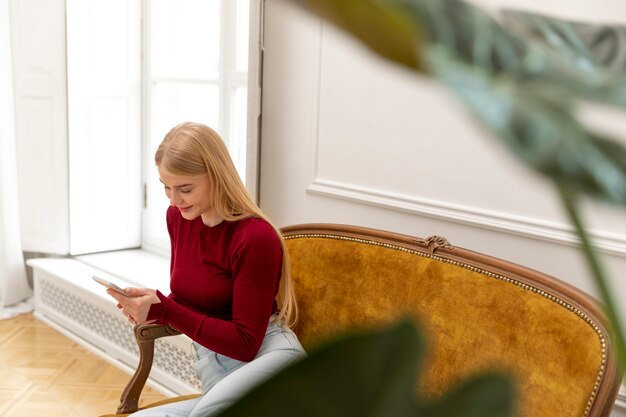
(67, 298)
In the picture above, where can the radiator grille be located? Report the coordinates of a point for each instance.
(168, 358)
(177, 362)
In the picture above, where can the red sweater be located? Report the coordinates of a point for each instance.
(224, 281)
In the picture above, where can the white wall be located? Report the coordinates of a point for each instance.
(347, 138)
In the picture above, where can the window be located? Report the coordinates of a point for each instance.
(166, 62)
(195, 67)
(103, 125)
(97, 93)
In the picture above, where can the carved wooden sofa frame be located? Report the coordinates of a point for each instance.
(477, 312)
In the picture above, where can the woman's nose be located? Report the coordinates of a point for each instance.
(175, 199)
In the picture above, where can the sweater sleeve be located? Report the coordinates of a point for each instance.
(257, 263)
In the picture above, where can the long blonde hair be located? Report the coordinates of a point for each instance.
(191, 149)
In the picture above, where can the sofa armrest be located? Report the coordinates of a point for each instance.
(145, 334)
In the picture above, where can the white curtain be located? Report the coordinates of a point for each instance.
(14, 287)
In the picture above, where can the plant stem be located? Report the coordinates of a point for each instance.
(597, 272)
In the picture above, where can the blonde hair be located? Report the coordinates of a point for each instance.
(191, 149)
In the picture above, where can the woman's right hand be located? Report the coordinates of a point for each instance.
(136, 305)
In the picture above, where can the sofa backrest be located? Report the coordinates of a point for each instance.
(477, 313)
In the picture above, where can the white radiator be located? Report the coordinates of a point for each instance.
(67, 297)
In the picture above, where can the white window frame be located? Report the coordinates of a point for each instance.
(103, 121)
(245, 155)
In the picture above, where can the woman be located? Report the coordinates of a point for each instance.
(228, 268)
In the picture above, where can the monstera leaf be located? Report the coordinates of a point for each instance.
(370, 374)
(523, 80)
(591, 47)
(593, 57)
(540, 127)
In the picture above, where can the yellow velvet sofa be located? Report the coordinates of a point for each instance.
(477, 312)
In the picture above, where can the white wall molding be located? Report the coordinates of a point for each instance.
(471, 216)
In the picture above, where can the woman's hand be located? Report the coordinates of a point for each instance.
(137, 304)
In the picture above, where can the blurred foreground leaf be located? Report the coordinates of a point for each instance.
(539, 128)
(369, 374)
(587, 46)
(386, 30)
(357, 375)
(484, 396)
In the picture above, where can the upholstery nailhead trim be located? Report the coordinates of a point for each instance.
(503, 278)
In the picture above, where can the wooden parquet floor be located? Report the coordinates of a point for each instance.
(45, 374)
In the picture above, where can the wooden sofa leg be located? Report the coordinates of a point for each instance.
(145, 335)
(129, 400)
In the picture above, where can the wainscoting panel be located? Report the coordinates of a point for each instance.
(391, 138)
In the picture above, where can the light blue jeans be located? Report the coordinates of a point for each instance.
(224, 379)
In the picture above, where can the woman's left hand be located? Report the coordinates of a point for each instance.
(136, 305)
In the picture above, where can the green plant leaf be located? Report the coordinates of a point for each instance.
(568, 197)
(581, 59)
(587, 46)
(380, 26)
(365, 374)
(488, 395)
(539, 128)
(465, 32)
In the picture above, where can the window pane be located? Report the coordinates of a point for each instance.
(106, 52)
(173, 103)
(158, 203)
(193, 74)
(242, 28)
(238, 123)
(185, 38)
